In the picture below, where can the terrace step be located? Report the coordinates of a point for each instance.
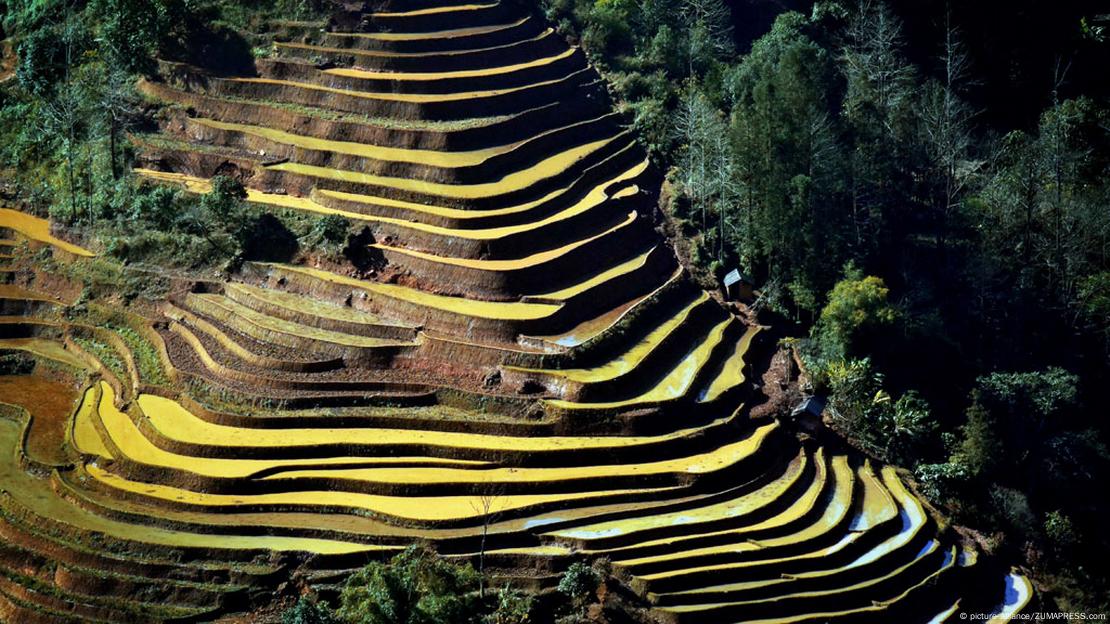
(325, 316)
(529, 335)
(194, 355)
(456, 37)
(353, 348)
(501, 76)
(678, 382)
(514, 51)
(454, 167)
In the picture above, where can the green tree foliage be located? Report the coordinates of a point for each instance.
(579, 583)
(1045, 225)
(42, 62)
(25, 15)
(130, 31)
(978, 450)
(308, 611)
(1030, 407)
(330, 231)
(414, 587)
(513, 607)
(854, 317)
(895, 430)
(783, 129)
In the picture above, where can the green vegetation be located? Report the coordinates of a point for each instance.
(948, 265)
(579, 584)
(416, 586)
(16, 363)
(64, 124)
(107, 356)
(975, 225)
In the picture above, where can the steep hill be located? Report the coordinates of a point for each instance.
(520, 358)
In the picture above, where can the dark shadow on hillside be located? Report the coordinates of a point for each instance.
(361, 254)
(270, 241)
(217, 48)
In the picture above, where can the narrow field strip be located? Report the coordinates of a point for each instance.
(731, 374)
(424, 508)
(295, 330)
(629, 360)
(675, 384)
(37, 496)
(548, 32)
(135, 446)
(411, 98)
(365, 74)
(38, 229)
(492, 310)
(436, 10)
(514, 264)
(440, 34)
(176, 423)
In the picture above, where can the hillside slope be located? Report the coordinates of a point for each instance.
(523, 357)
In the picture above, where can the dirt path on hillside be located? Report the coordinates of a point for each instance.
(7, 61)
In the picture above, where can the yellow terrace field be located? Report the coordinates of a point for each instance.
(715, 460)
(514, 264)
(279, 326)
(432, 158)
(494, 310)
(440, 34)
(44, 347)
(306, 305)
(547, 32)
(134, 445)
(512, 182)
(732, 371)
(675, 384)
(411, 98)
(38, 496)
(436, 10)
(630, 359)
(37, 229)
(730, 508)
(175, 422)
(471, 73)
(427, 508)
(592, 200)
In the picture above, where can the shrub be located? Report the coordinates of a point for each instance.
(415, 587)
(1060, 530)
(894, 430)
(1012, 509)
(41, 62)
(857, 308)
(16, 363)
(579, 583)
(330, 231)
(308, 611)
(513, 607)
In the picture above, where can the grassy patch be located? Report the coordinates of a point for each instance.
(106, 354)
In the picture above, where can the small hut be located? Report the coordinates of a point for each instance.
(738, 287)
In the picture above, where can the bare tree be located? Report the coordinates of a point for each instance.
(61, 113)
(484, 506)
(946, 122)
(878, 74)
(709, 30)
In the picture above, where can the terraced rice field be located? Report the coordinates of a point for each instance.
(536, 347)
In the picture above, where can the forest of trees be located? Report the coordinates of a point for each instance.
(946, 251)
